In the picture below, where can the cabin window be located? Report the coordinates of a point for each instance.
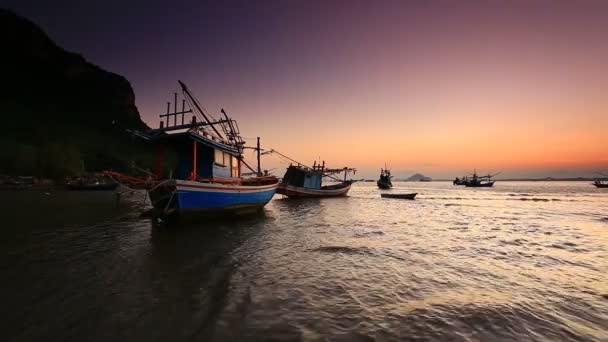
(234, 171)
(219, 157)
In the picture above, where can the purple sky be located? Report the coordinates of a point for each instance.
(363, 82)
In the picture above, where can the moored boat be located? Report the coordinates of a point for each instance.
(476, 181)
(205, 176)
(601, 183)
(385, 179)
(303, 181)
(400, 196)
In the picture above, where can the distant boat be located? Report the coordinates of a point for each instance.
(479, 181)
(599, 183)
(400, 196)
(304, 181)
(385, 179)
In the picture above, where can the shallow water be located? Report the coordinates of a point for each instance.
(522, 261)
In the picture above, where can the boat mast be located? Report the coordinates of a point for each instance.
(258, 152)
(195, 103)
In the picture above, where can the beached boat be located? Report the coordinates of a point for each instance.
(385, 179)
(204, 175)
(303, 181)
(400, 196)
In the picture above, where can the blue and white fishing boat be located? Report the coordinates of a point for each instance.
(199, 165)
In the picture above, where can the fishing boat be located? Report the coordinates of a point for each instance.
(400, 196)
(599, 182)
(385, 179)
(304, 181)
(480, 181)
(205, 175)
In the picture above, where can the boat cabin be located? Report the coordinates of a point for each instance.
(303, 177)
(192, 156)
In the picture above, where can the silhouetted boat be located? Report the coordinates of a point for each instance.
(385, 179)
(480, 181)
(599, 183)
(303, 181)
(400, 196)
(206, 178)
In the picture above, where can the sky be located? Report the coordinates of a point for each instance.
(436, 87)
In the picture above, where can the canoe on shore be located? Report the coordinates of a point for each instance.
(400, 196)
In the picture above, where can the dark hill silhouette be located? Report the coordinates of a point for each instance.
(57, 109)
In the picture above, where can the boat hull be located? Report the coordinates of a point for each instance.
(400, 196)
(189, 197)
(384, 185)
(601, 185)
(479, 185)
(296, 191)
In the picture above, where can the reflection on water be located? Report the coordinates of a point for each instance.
(522, 261)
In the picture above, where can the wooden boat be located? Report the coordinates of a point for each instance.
(303, 181)
(206, 177)
(400, 196)
(385, 179)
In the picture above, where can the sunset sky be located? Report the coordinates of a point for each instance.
(436, 87)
